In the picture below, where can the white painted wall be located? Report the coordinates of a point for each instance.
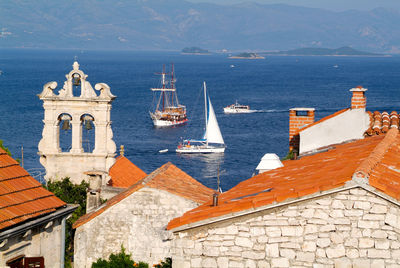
(346, 126)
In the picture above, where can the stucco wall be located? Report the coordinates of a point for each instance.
(346, 126)
(353, 228)
(41, 242)
(138, 223)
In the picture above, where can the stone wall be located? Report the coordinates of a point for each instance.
(352, 228)
(43, 241)
(137, 222)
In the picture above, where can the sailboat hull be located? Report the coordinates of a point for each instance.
(200, 150)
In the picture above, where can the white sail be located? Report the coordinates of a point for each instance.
(213, 133)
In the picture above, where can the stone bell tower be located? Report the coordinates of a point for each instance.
(75, 114)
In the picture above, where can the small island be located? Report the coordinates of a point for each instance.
(195, 51)
(247, 55)
(310, 51)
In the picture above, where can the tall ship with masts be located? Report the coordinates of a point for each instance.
(168, 111)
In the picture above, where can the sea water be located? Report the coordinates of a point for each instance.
(271, 86)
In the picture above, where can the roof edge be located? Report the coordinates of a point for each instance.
(258, 209)
(376, 156)
(348, 186)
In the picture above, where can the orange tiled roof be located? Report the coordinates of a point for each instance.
(124, 173)
(21, 196)
(169, 178)
(377, 157)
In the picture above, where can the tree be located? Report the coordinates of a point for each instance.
(4, 148)
(71, 194)
(119, 260)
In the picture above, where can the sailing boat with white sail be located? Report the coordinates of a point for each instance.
(212, 141)
(168, 111)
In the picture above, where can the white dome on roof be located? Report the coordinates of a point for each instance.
(269, 162)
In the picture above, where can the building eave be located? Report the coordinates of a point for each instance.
(348, 186)
(24, 227)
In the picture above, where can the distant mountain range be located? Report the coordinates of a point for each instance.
(173, 24)
(310, 51)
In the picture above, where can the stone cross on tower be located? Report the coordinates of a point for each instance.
(78, 114)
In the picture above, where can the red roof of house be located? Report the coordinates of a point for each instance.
(21, 196)
(124, 173)
(376, 157)
(169, 178)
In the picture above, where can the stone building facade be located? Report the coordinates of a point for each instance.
(336, 208)
(73, 111)
(350, 228)
(137, 218)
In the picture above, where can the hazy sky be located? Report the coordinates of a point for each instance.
(336, 5)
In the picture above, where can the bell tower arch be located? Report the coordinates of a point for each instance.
(64, 111)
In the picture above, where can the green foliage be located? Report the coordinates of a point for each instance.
(289, 156)
(4, 148)
(71, 194)
(165, 264)
(119, 260)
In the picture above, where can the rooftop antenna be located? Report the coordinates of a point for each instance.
(75, 58)
(22, 156)
(218, 182)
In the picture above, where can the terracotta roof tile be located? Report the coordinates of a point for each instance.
(124, 173)
(308, 175)
(21, 196)
(172, 179)
(168, 178)
(382, 122)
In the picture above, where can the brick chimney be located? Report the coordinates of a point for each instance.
(298, 118)
(358, 101)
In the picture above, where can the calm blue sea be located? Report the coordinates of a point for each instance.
(271, 86)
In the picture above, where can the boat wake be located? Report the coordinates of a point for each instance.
(286, 111)
(269, 111)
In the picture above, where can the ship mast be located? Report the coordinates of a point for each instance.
(205, 109)
(172, 85)
(163, 85)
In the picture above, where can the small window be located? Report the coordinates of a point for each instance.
(34, 262)
(26, 262)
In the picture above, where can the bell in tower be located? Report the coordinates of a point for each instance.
(66, 122)
(76, 79)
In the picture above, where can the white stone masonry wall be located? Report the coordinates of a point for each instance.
(138, 223)
(353, 228)
(39, 242)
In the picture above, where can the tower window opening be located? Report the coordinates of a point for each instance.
(76, 84)
(65, 132)
(88, 133)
